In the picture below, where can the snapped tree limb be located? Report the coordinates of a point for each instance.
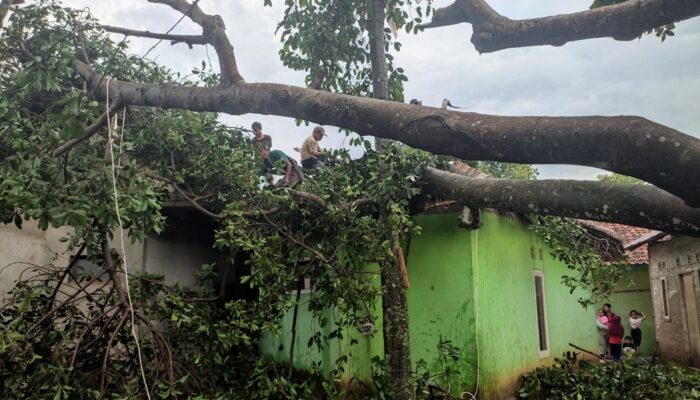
(215, 34)
(627, 145)
(636, 205)
(624, 21)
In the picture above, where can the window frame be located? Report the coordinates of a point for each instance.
(539, 274)
(665, 309)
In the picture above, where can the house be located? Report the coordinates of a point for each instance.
(495, 293)
(675, 282)
(492, 292)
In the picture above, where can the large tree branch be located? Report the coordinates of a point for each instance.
(627, 145)
(215, 34)
(636, 205)
(623, 21)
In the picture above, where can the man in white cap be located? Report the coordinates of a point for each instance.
(311, 152)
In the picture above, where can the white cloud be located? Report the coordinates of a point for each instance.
(595, 77)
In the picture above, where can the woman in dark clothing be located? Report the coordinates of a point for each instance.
(615, 333)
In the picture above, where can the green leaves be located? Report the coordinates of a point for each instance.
(273, 235)
(570, 379)
(596, 265)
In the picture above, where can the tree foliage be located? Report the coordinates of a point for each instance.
(617, 178)
(596, 263)
(326, 227)
(342, 63)
(629, 379)
(69, 336)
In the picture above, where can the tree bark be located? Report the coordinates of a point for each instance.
(618, 144)
(215, 34)
(624, 21)
(636, 205)
(376, 14)
(397, 347)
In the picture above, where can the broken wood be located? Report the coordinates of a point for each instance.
(402, 266)
(586, 351)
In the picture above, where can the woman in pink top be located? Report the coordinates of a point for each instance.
(601, 322)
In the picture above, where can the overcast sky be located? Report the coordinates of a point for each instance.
(646, 77)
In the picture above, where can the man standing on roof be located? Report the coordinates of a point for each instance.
(276, 162)
(311, 153)
(260, 139)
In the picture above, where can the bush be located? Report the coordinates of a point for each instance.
(569, 379)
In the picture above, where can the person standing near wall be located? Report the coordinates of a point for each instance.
(615, 333)
(601, 322)
(635, 319)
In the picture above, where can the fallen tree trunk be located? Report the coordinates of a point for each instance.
(616, 144)
(637, 205)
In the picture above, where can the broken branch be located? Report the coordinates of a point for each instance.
(215, 34)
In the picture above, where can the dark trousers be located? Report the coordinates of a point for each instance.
(311, 163)
(637, 338)
(616, 350)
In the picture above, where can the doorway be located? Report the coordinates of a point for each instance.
(691, 316)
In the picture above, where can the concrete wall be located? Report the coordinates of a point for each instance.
(176, 253)
(441, 298)
(506, 254)
(23, 249)
(670, 260)
(464, 285)
(357, 347)
(636, 296)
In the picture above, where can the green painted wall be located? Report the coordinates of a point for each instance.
(637, 296)
(465, 285)
(440, 300)
(277, 347)
(360, 353)
(505, 303)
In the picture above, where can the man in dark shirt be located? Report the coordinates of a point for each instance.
(260, 138)
(276, 162)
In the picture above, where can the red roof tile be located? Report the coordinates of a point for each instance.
(626, 234)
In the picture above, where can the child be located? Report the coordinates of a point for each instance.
(615, 333)
(601, 322)
(628, 346)
(635, 319)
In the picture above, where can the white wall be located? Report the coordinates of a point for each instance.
(177, 253)
(22, 249)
